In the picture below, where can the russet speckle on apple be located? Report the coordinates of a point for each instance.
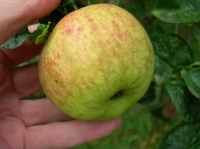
(97, 63)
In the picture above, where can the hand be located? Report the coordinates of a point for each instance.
(27, 124)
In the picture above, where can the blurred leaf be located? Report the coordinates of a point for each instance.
(72, 3)
(41, 34)
(190, 33)
(188, 12)
(16, 40)
(135, 7)
(172, 50)
(36, 95)
(166, 4)
(63, 7)
(142, 122)
(163, 70)
(186, 105)
(196, 41)
(193, 110)
(186, 136)
(139, 8)
(191, 77)
(137, 126)
(176, 91)
(32, 61)
(116, 2)
(158, 26)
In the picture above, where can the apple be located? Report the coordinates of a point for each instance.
(97, 63)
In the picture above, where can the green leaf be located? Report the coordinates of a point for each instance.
(88, 2)
(158, 26)
(41, 34)
(32, 61)
(136, 7)
(195, 43)
(36, 95)
(176, 90)
(172, 50)
(166, 4)
(186, 136)
(63, 7)
(16, 40)
(142, 122)
(163, 70)
(191, 77)
(137, 126)
(187, 106)
(188, 12)
(139, 8)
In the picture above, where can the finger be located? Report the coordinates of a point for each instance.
(39, 112)
(35, 9)
(4, 144)
(22, 53)
(22, 12)
(26, 80)
(67, 134)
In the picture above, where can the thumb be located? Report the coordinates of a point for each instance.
(16, 14)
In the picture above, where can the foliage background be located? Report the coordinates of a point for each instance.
(168, 116)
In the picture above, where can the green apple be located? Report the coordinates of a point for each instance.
(97, 63)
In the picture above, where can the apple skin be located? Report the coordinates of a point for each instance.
(97, 63)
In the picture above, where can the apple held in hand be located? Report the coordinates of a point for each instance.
(97, 63)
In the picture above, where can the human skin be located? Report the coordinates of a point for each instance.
(26, 124)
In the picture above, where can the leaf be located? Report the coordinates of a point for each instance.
(41, 34)
(36, 95)
(191, 77)
(89, 2)
(139, 8)
(135, 7)
(16, 40)
(63, 7)
(186, 136)
(163, 70)
(161, 27)
(193, 110)
(188, 12)
(176, 90)
(142, 122)
(166, 4)
(195, 43)
(172, 50)
(137, 125)
(187, 106)
(32, 61)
